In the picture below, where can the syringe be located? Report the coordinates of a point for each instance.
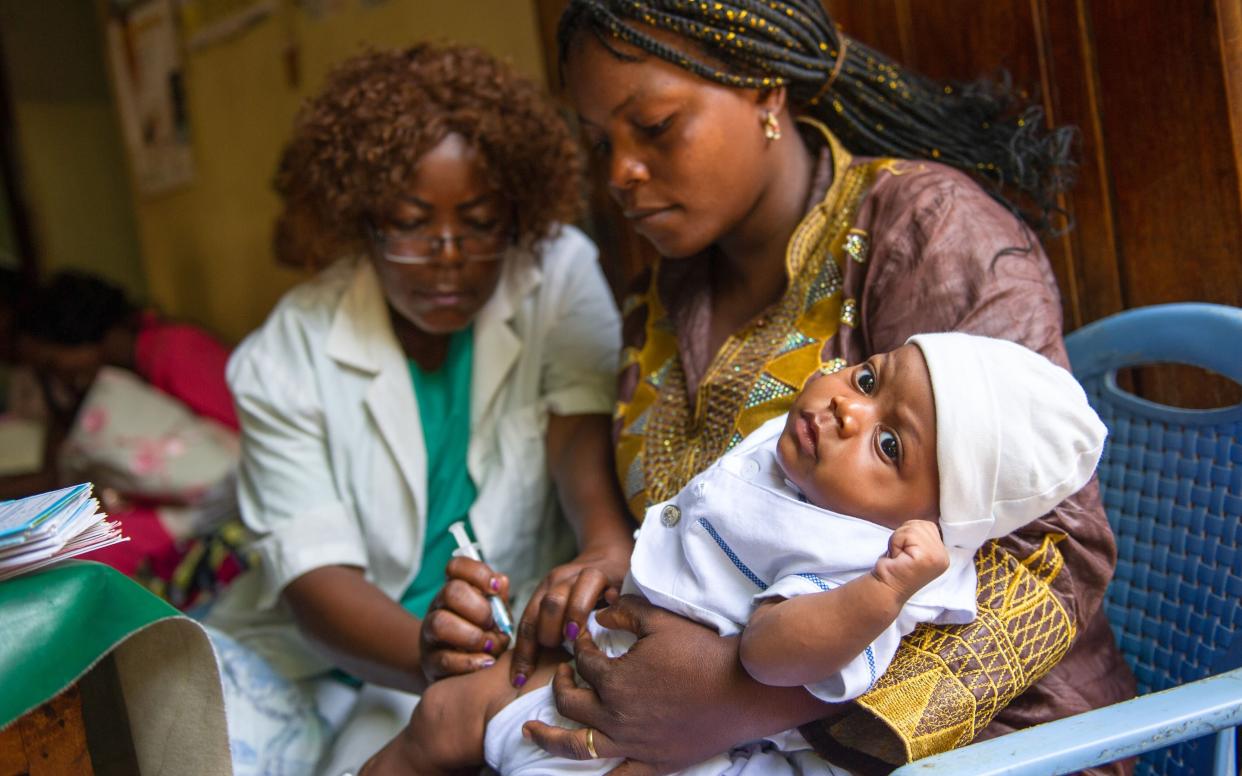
(465, 547)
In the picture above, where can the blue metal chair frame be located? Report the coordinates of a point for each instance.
(1172, 485)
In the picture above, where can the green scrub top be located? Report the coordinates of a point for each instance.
(444, 408)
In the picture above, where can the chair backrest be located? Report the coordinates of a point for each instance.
(1172, 486)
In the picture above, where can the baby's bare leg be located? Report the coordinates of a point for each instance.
(445, 733)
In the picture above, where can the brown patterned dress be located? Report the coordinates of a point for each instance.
(887, 249)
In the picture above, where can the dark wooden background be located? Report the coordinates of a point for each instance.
(1156, 90)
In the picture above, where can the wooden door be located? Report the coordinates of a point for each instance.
(1156, 90)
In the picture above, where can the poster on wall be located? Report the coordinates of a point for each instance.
(205, 22)
(150, 91)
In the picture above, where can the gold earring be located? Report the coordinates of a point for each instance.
(771, 127)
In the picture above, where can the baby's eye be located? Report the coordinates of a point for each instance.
(889, 445)
(866, 379)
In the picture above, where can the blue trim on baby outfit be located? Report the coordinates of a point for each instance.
(753, 577)
(822, 585)
(815, 579)
(724, 546)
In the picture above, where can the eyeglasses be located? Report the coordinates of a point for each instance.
(419, 248)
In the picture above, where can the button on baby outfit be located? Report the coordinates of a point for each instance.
(670, 515)
(750, 468)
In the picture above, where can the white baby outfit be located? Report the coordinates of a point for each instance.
(736, 534)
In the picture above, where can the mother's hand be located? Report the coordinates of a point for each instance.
(559, 607)
(677, 697)
(458, 634)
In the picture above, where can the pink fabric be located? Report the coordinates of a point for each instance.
(155, 558)
(150, 549)
(186, 363)
(124, 431)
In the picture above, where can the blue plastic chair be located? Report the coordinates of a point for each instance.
(1172, 486)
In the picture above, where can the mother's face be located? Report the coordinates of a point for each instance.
(438, 249)
(682, 156)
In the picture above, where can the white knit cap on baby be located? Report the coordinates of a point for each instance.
(1014, 435)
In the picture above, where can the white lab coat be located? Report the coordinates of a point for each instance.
(334, 470)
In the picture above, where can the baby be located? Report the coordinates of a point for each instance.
(822, 538)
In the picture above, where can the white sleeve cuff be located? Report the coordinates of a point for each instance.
(583, 399)
(860, 673)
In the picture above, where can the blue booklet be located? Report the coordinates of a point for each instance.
(47, 527)
(25, 518)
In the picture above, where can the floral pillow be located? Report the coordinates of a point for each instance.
(148, 446)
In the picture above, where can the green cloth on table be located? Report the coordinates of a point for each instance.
(60, 622)
(443, 399)
(56, 624)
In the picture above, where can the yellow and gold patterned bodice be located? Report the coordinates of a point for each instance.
(665, 438)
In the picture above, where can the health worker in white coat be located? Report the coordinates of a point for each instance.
(459, 367)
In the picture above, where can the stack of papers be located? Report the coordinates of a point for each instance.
(40, 530)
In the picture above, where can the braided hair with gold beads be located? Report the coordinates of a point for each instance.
(874, 105)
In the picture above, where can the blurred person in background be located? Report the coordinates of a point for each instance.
(138, 405)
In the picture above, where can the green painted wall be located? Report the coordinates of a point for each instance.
(70, 157)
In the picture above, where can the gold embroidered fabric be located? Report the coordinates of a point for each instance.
(945, 683)
(663, 440)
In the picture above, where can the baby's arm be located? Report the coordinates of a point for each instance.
(445, 733)
(806, 639)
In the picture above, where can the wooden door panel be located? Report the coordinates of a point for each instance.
(1174, 178)
(1088, 271)
(1165, 111)
(961, 40)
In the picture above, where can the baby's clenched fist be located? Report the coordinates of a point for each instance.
(916, 556)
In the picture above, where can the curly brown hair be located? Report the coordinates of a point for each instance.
(356, 143)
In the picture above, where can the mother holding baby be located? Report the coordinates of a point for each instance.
(815, 203)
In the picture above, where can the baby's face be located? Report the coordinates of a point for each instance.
(862, 441)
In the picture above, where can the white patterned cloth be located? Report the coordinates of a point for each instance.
(282, 727)
(275, 726)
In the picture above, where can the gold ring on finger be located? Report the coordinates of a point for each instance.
(590, 742)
